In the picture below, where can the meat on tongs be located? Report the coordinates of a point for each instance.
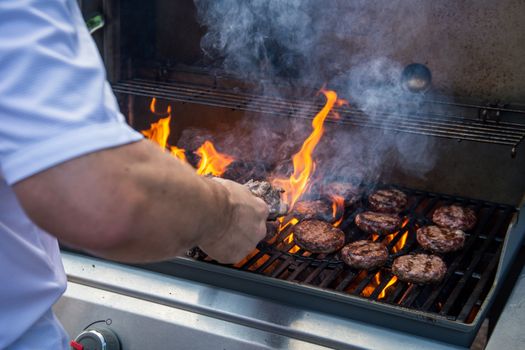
(271, 195)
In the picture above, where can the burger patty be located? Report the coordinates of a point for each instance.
(364, 254)
(388, 201)
(318, 209)
(318, 236)
(455, 217)
(270, 195)
(372, 222)
(351, 193)
(440, 239)
(419, 268)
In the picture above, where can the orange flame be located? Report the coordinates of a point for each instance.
(289, 238)
(392, 281)
(179, 153)
(401, 243)
(369, 289)
(303, 163)
(376, 282)
(283, 226)
(295, 248)
(338, 208)
(212, 162)
(152, 105)
(160, 131)
(389, 238)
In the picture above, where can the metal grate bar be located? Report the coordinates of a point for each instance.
(290, 260)
(331, 277)
(380, 287)
(316, 272)
(474, 296)
(454, 127)
(298, 270)
(252, 260)
(475, 260)
(455, 264)
(415, 291)
(396, 293)
(365, 282)
(268, 262)
(346, 281)
(257, 101)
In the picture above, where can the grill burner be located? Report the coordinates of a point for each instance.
(458, 297)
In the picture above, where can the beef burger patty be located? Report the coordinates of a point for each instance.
(317, 209)
(455, 217)
(318, 236)
(373, 222)
(419, 268)
(388, 201)
(440, 239)
(364, 254)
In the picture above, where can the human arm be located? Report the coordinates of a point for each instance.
(133, 203)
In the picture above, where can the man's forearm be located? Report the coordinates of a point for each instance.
(131, 203)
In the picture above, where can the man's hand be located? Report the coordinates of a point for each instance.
(246, 225)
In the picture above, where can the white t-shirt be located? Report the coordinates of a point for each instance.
(55, 105)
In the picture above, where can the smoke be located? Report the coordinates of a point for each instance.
(353, 47)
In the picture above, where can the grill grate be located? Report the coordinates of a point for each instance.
(464, 287)
(429, 124)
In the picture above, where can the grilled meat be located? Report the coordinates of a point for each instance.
(271, 195)
(318, 209)
(388, 201)
(318, 236)
(455, 217)
(364, 254)
(419, 268)
(372, 222)
(440, 239)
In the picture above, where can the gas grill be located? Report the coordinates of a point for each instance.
(454, 306)
(437, 147)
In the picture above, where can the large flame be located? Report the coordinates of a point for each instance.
(303, 163)
(212, 162)
(160, 131)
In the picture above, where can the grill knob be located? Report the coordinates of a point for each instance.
(96, 338)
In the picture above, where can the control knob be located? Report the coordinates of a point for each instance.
(96, 338)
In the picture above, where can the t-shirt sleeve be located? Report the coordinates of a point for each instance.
(55, 101)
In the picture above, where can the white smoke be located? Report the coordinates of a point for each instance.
(352, 47)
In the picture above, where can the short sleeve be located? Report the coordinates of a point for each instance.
(55, 102)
